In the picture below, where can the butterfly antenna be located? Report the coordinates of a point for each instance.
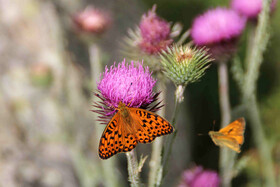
(129, 89)
(127, 93)
(200, 134)
(132, 97)
(213, 126)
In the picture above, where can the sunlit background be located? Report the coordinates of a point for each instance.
(48, 136)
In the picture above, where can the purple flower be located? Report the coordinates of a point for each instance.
(92, 20)
(155, 33)
(198, 177)
(218, 29)
(129, 83)
(216, 26)
(249, 8)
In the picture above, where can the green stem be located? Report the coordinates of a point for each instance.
(261, 142)
(132, 167)
(250, 42)
(226, 155)
(155, 173)
(179, 97)
(170, 140)
(259, 44)
(224, 94)
(108, 166)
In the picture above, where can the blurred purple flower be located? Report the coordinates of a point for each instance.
(92, 20)
(218, 29)
(155, 33)
(217, 25)
(130, 83)
(249, 8)
(198, 177)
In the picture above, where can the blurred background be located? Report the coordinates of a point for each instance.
(47, 131)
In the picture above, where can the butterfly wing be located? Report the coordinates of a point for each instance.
(224, 141)
(121, 136)
(115, 138)
(149, 125)
(235, 130)
(231, 136)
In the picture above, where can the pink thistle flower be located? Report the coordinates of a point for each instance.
(92, 20)
(218, 29)
(155, 33)
(249, 8)
(129, 83)
(217, 25)
(198, 177)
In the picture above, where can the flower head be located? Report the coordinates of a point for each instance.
(92, 20)
(147, 40)
(184, 65)
(198, 177)
(155, 33)
(129, 83)
(216, 26)
(249, 8)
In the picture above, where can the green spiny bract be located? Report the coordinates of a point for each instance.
(184, 65)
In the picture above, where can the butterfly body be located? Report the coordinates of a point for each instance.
(126, 116)
(130, 126)
(231, 136)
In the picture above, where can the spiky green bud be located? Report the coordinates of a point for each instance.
(184, 65)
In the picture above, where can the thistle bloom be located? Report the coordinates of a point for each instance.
(155, 33)
(198, 177)
(218, 29)
(130, 83)
(92, 20)
(217, 25)
(249, 8)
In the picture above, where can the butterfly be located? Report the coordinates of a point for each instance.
(130, 126)
(231, 136)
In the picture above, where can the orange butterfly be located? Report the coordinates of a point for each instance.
(130, 126)
(231, 136)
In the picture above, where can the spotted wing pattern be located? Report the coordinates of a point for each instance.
(149, 125)
(115, 139)
(119, 136)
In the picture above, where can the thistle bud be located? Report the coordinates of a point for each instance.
(184, 65)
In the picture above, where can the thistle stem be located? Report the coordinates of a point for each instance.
(155, 174)
(179, 95)
(248, 89)
(224, 93)
(261, 142)
(179, 98)
(132, 167)
(226, 155)
(108, 166)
